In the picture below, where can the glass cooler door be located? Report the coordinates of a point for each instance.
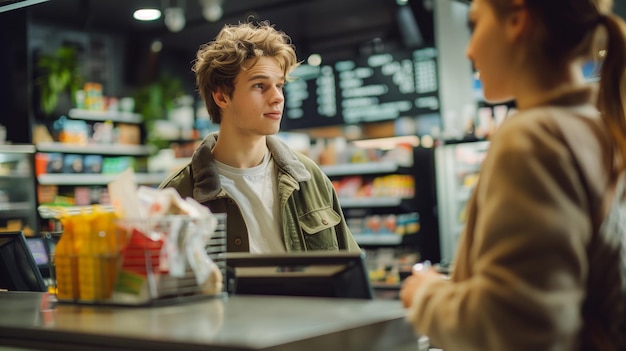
(456, 168)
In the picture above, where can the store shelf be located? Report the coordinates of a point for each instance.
(113, 116)
(360, 168)
(357, 202)
(96, 179)
(50, 211)
(99, 149)
(16, 149)
(16, 206)
(15, 175)
(378, 239)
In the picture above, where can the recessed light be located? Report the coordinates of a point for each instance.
(147, 14)
(314, 60)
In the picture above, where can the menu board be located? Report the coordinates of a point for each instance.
(378, 87)
(311, 100)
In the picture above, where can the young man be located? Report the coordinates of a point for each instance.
(275, 199)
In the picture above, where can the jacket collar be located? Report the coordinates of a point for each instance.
(206, 178)
(571, 97)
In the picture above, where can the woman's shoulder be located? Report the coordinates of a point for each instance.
(555, 135)
(551, 126)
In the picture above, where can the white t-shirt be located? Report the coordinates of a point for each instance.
(255, 191)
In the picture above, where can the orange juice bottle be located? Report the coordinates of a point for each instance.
(66, 262)
(105, 248)
(88, 268)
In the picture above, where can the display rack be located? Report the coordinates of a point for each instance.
(17, 189)
(389, 252)
(98, 160)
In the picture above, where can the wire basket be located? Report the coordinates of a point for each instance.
(145, 262)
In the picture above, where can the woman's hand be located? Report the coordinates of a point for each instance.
(421, 274)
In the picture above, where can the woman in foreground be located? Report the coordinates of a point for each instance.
(542, 263)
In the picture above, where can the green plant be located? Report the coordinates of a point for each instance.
(59, 73)
(154, 101)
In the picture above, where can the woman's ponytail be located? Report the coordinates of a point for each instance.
(612, 95)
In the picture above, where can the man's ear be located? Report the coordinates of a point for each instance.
(517, 24)
(220, 98)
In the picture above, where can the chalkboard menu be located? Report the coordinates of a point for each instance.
(311, 100)
(378, 87)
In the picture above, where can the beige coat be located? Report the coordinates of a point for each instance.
(532, 271)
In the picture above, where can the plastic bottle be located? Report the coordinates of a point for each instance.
(66, 262)
(104, 249)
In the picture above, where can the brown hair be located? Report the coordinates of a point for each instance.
(219, 62)
(574, 29)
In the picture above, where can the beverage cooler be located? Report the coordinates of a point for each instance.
(456, 170)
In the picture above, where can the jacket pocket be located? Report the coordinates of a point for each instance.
(320, 227)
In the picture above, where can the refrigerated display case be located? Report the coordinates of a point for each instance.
(456, 169)
(18, 203)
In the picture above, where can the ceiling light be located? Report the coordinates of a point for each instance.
(156, 46)
(212, 9)
(314, 60)
(175, 18)
(147, 14)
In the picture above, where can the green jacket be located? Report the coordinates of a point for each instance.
(311, 216)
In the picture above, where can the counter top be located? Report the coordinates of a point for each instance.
(234, 323)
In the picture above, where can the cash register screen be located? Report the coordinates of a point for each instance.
(315, 274)
(39, 250)
(18, 269)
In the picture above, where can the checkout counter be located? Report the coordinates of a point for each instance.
(35, 321)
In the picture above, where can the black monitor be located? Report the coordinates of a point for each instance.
(39, 250)
(18, 269)
(338, 274)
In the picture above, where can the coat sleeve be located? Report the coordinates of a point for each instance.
(527, 249)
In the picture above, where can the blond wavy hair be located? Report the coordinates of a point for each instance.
(218, 62)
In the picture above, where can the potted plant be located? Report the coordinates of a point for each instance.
(59, 75)
(154, 102)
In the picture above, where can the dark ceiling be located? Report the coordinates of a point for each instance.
(324, 26)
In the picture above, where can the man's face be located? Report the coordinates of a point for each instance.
(256, 104)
